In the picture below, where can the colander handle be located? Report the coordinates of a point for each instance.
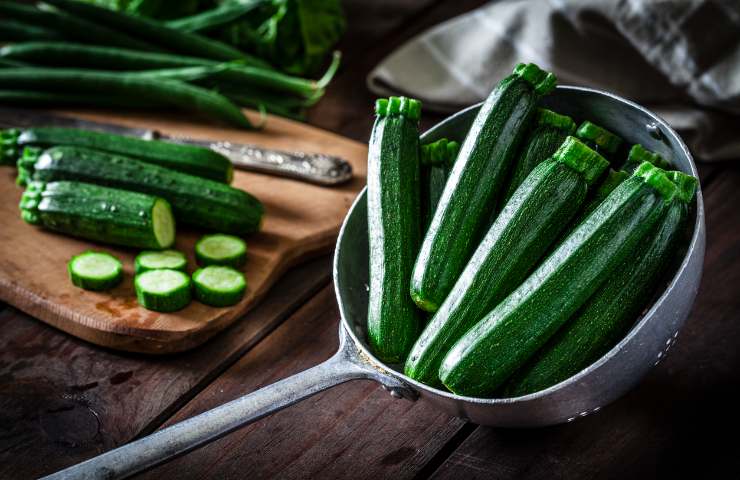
(197, 431)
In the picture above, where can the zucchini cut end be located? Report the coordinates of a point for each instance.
(556, 120)
(442, 152)
(578, 156)
(687, 184)
(601, 137)
(26, 164)
(163, 223)
(163, 290)
(658, 179)
(542, 81)
(398, 106)
(639, 154)
(9, 146)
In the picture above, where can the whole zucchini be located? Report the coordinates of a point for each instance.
(534, 216)
(475, 182)
(102, 214)
(195, 201)
(610, 312)
(394, 227)
(549, 132)
(504, 339)
(191, 159)
(436, 161)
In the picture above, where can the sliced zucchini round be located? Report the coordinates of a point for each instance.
(221, 249)
(95, 270)
(219, 286)
(158, 260)
(163, 290)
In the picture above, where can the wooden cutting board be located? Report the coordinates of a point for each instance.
(301, 221)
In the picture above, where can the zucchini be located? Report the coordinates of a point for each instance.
(531, 220)
(95, 271)
(504, 339)
(639, 154)
(195, 201)
(219, 286)
(610, 312)
(599, 138)
(220, 249)
(101, 214)
(436, 160)
(546, 137)
(393, 215)
(199, 161)
(158, 260)
(163, 290)
(469, 197)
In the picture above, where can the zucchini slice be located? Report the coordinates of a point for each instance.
(219, 286)
(158, 260)
(221, 249)
(163, 290)
(95, 270)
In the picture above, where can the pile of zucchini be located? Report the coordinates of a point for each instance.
(505, 293)
(131, 192)
(68, 52)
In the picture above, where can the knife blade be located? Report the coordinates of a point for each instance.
(317, 168)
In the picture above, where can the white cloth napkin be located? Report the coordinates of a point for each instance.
(680, 58)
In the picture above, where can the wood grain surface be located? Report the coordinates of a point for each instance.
(301, 221)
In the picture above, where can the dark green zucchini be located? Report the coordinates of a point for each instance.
(529, 222)
(190, 159)
(393, 216)
(610, 312)
(504, 339)
(475, 182)
(436, 161)
(106, 215)
(600, 139)
(195, 201)
(549, 132)
(639, 154)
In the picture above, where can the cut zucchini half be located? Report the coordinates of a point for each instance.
(221, 249)
(158, 260)
(219, 286)
(95, 271)
(164, 223)
(163, 290)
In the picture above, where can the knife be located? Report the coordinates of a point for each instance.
(317, 168)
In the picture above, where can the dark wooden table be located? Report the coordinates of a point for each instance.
(63, 400)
